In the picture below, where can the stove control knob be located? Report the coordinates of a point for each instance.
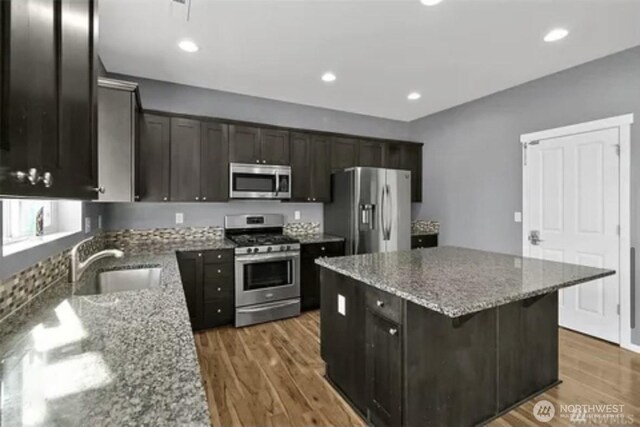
(269, 249)
(249, 250)
(288, 247)
(256, 250)
(283, 248)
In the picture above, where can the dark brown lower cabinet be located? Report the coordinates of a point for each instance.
(424, 241)
(401, 364)
(310, 274)
(208, 282)
(383, 370)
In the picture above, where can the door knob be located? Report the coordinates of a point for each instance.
(534, 237)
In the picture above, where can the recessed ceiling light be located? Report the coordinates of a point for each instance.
(328, 77)
(556, 34)
(188, 46)
(413, 96)
(430, 2)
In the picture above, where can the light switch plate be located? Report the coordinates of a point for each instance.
(517, 216)
(87, 224)
(342, 305)
(179, 218)
(296, 215)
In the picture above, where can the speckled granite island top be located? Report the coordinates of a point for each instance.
(457, 281)
(125, 358)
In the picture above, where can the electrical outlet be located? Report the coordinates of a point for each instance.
(517, 216)
(296, 215)
(179, 218)
(342, 305)
(100, 222)
(87, 225)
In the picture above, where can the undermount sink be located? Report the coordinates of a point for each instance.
(123, 280)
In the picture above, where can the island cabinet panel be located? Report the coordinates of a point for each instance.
(383, 370)
(344, 153)
(343, 335)
(153, 159)
(450, 368)
(208, 283)
(528, 348)
(185, 160)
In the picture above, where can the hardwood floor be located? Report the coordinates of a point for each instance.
(272, 375)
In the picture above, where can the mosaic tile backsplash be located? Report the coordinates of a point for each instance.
(128, 240)
(22, 287)
(302, 228)
(424, 226)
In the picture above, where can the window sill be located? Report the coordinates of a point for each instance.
(32, 242)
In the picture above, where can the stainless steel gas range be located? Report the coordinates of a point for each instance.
(267, 268)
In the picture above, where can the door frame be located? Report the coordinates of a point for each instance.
(623, 124)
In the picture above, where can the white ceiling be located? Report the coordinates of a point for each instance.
(380, 51)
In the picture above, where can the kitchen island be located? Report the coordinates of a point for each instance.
(442, 336)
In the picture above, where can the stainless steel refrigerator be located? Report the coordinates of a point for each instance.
(371, 209)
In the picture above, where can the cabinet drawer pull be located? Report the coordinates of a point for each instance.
(204, 198)
(31, 176)
(393, 331)
(219, 289)
(257, 161)
(219, 271)
(219, 256)
(197, 198)
(200, 254)
(380, 303)
(165, 198)
(264, 161)
(219, 311)
(322, 248)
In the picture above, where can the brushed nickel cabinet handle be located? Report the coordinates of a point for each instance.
(393, 331)
(31, 176)
(47, 179)
(380, 303)
(101, 190)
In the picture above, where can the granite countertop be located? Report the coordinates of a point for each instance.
(125, 358)
(457, 281)
(315, 238)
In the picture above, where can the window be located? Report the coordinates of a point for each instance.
(20, 217)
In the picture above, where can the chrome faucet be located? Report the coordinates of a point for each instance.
(77, 268)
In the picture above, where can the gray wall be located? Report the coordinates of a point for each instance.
(472, 156)
(18, 261)
(163, 215)
(165, 96)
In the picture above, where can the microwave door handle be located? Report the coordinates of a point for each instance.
(277, 183)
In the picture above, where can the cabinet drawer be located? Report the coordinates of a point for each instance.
(424, 241)
(384, 304)
(218, 281)
(315, 250)
(218, 312)
(219, 256)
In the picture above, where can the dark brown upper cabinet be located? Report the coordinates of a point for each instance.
(311, 167)
(48, 99)
(153, 159)
(412, 160)
(371, 154)
(393, 155)
(274, 147)
(214, 167)
(260, 146)
(185, 160)
(344, 153)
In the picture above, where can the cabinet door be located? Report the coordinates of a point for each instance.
(30, 77)
(344, 153)
(185, 160)
(424, 241)
(393, 155)
(75, 158)
(190, 265)
(320, 162)
(154, 158)
(244, 144)
(383, 371)
(371, 154)
(412, 160)
(274, 147)
(300, 176)
(218, 294)
(214, 166)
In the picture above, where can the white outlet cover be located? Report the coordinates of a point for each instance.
(87, 225)
(296, 215)
(517, 216)
(342, 305)
(179, 218)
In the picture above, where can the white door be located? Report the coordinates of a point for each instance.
(573, 204)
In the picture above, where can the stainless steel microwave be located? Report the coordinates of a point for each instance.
(247, 181)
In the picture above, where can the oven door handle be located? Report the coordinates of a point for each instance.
(267, 306)
(267, 257)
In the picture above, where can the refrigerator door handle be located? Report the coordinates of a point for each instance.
(390, 219)
(632, 317)
(383, 213)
